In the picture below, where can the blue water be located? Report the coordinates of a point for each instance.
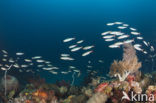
(37, 27)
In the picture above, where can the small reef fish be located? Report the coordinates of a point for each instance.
(125, 25)
(64, 72)
(116, 33)
(121, 27)
(139, 38)
(2, 68)
(79, 42)
(11, 60)
(118, 23)
(4, 51)
(109, 39)
(39, 66)
(24, 66)
(75, 49)
(105, 33)
(114, 46)
(67, 58)
(119, 43)
(152, 48)
(133, 29)
(137, 47)
(5, 55)
(72, 46)
(47, 62)
(55, 68)
(40, 61)
(88, 47)
(128, 41)
(145, 43)
(49, 65)
(53, 72)
(31, 64)
(88, 66)
(135, 33)
(6, 65)
(36, 57)
(68, 40)
(4, 60)
(65, 55)
(27, 60)
(145, 52)
(47, 68)
(75, 70)
(87, 53)
(123, 36)
(100, 61)
(89, 62)
(16, 66)
(110, 24)
(19, 53)
(72, 67)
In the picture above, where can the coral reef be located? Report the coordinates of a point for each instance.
(95, 89)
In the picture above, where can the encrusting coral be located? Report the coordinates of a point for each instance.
(128, 65)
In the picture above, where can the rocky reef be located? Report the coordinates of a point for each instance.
(128, 85)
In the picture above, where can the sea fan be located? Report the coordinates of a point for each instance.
(129, 63)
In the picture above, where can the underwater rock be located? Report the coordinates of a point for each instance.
(87, 91)
(98, 98)
(116, 97)
(125, 86)
(79, 99)
(145, 82)
(63, 90)
(94, 82)
(151, 90)
(73, 90)
(38, 81)
(11, 83)
(136, 87)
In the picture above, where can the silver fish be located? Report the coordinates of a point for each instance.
(88, 47)
(123, 36)
(68, 39)
(105, 33)
(122, 27)
(79, 42)
(110, 24)
(19, 53)
(135, 33)
(67, 58)
(109, 39)
(4, 51)
(113, 46)
(87, 53)
(75, 49)
(133, 29)
(72, 46)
